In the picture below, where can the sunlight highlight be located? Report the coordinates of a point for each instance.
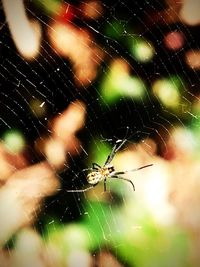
(54, 150)
(152, 184)
(14, 141)
(71, 120)
(174, 40)
(167, 92)
(190, 12)
(28, 249)
(120, 83)
(92, 9)
(192, 58)
(77, 45)
(142, 50)
(26, 34)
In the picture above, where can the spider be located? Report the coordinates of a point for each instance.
(101, 173)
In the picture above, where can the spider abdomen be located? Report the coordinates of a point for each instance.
(94, 177)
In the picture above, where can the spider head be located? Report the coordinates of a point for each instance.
(110, 168)
(94, 177)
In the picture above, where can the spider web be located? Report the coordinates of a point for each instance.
(122, 226)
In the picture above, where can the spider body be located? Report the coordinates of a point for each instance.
(94, 177)
(102, 173)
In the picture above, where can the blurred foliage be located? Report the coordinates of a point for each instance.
(113, 59)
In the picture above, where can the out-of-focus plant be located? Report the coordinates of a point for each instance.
(25, 186)
(118, 83)
(158, 224)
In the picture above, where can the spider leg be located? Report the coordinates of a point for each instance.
(104, 184)
(116, 147)
(122, 178)
(96, 166)
(133, 170)
(84, 189)
(80, 190)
